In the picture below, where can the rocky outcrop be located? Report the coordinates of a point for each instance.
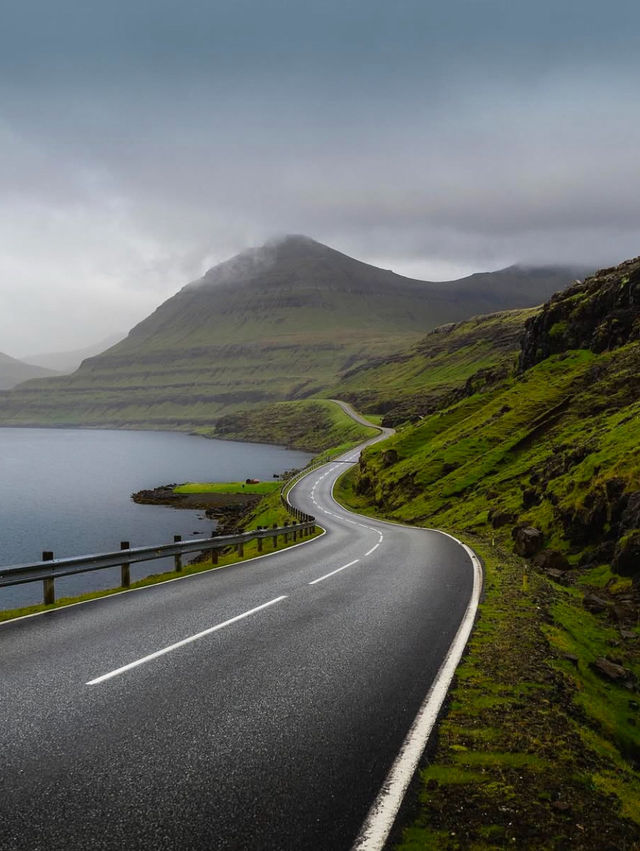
(626, 558)
(612, 671)
(601, 313)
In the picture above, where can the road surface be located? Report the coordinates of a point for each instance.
(258, 706)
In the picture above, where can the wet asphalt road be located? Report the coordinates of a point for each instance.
(274, 731)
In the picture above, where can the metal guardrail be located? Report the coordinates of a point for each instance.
(50, 568)
(288, 486)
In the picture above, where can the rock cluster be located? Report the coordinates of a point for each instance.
(601, 313)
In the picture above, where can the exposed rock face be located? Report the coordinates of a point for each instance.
(551, 560)
(601, 313)
(528, 541)
(390, 457)
(626, 559)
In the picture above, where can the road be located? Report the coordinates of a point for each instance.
(258, 706)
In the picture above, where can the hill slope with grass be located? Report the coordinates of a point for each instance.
(277, 323)
(540, 472)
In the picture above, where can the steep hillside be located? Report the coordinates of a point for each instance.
(451, 362)
(13, 371)
(277, 323)
(541, 472)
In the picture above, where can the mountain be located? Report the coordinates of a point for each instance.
(67, 362)
(13, 371)
(278, 322)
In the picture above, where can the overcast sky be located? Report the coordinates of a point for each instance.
(142, 141)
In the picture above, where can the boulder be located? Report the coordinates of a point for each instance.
(500, 518)
(613, 672)
(624, 612)
(551, 560)
(595, 604)
(528, 540)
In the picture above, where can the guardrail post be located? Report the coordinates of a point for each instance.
(295, 535)
(275, 537)
(214, 556)
(259, 540)
(240, 548)
(286, 531)
(48, 588)
(177, 559)
(125, 575)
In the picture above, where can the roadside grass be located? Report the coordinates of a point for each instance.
(227, 487)
(518, 761)
(227, 556)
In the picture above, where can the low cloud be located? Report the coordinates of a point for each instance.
(435, 141)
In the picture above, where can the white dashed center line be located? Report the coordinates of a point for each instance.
(184, 641)
(333, 572)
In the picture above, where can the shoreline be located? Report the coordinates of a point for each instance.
(227, 509)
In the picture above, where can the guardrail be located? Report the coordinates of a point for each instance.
(288, 486)
(50, 568)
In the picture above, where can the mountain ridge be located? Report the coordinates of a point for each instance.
(278, 322)
(14, 371)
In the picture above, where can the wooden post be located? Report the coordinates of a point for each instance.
(295, 534)
(286, 533)
(177, 559)
(259, 541)
(125, 575)
(49, 593)
(214, 556)
(275, 537)
(240, 548)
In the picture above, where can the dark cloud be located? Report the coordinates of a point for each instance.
(142, 141)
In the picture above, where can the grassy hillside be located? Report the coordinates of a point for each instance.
(446, 364)
(540, 471)
(278, 323)
(313, 425)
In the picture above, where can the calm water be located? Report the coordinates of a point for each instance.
(68, 490)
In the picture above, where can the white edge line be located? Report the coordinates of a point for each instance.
(182, 643)
(199, 575)
(380, 819)
(327, 575)
(373, 549)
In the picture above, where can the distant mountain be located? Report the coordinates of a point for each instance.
(13, 371)
(66, 362)
(278, 322)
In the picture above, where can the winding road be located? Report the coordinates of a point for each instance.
(257, 706)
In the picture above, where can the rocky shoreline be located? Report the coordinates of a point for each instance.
(228, 509)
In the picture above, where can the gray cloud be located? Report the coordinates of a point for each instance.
(142, 142)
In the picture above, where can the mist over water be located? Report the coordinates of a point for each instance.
(68, 490)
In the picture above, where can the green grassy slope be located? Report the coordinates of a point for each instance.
(542, 744)
(448, 362)
(315, 425)
(277, 323)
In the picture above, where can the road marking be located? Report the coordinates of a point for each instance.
(377, 826)
(184, 641)
(333, 572)
(373, 549)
